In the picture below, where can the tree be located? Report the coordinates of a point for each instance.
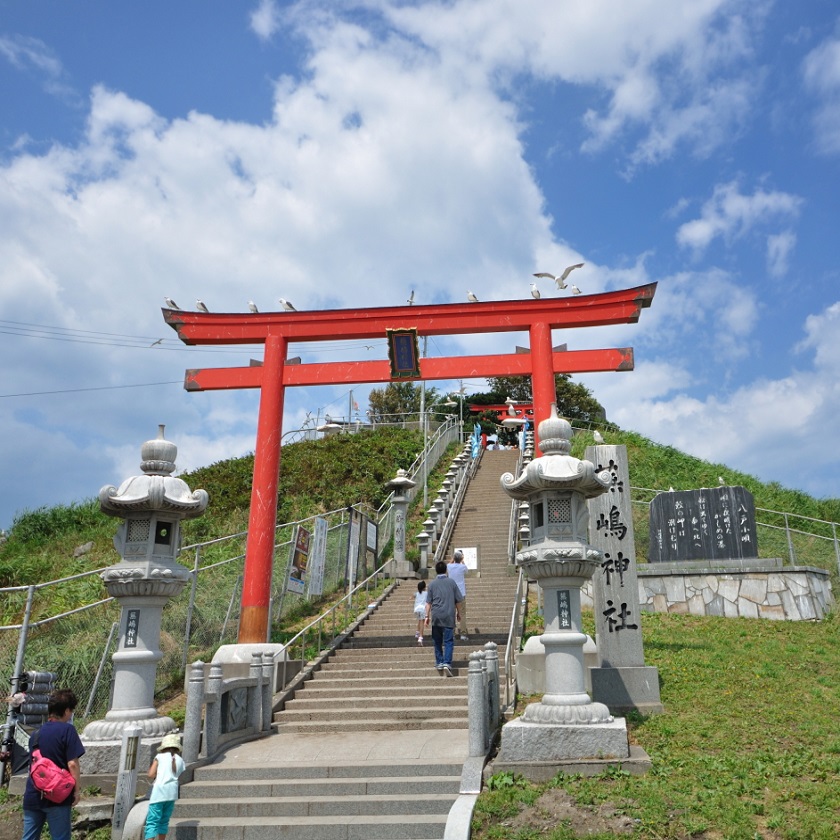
(574, 400)
(398, 401)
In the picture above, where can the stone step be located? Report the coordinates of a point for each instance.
(335, 769)
(348, 805)
(391, 827)
(329, 787)
(364, 714)
(430, 700)
(456, 721)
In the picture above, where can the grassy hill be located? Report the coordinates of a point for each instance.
(747, 747)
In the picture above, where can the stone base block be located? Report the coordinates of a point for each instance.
(637, 764)
(627, 688)
(531, 742)
(103, 757)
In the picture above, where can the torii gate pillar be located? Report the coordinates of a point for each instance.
(253, 615)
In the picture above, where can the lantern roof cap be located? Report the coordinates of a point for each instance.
(157, 489)
(557, 469)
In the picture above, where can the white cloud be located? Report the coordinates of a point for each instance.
(32, 55)
(821, 73)
(671, 74)
(730, 214)
(779, 248)
(265, 19)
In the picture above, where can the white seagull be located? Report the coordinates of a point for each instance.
(201, 306)
(535, 292)
(286, 305)
(171, 303)
(560, 279)
(252, 306)
(569, 269)
(575, 290)
(471, 297)
(599, 438)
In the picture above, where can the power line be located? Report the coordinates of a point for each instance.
(101, 388)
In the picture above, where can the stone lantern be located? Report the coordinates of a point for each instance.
(566, 724)
(400, 486)
(152, 507)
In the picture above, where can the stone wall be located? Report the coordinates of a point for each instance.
(764, 590)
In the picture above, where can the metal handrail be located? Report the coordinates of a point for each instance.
(345, 601)
(452, 514)
(514, 636)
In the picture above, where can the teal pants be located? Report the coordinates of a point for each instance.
(157, 820)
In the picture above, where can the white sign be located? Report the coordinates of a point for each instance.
(470, 556)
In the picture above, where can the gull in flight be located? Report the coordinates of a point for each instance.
(575, 290)
(252, 306)
(561, 278)
(155, 343)
(286, 305)
(410, 300)
(471, 297)
(201, 306)
(171, 303)
(535, 292)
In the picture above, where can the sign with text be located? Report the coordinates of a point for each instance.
(717, 523)
(300, 558)
(318, 557)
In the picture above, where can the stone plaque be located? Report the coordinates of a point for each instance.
(564, 610)
(717, 523)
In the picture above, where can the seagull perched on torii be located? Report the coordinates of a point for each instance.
(201, 306)
(535, 292)
(471, 297)
(286, 305)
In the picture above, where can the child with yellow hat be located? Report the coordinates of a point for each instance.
(164, 772)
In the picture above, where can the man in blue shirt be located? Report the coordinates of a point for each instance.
(442, 598)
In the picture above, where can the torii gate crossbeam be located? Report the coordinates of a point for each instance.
(277, 329)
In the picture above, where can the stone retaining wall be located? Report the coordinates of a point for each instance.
(763, 590)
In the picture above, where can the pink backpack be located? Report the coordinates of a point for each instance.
(54, 783)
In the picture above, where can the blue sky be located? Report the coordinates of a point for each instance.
(342, 154)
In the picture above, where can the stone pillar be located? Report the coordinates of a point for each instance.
(400, 485)
(622, 681)
(152, 507)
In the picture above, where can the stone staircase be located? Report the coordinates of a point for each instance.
(380, 687)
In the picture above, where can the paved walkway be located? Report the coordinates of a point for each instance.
(375, 747)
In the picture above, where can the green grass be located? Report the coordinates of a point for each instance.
(748, 746)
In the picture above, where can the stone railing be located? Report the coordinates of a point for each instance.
(232, 709)
(483, 698)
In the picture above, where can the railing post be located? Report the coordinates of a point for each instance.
(255, 693)
(213, 713)
(190, 608)
(267, 690)
(836, 545)
(791, 552)
(192, 719)
(476, 697)
(492, 663)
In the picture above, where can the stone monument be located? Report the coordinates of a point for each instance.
(566, 725)
(621, 681)
(399, 486)
(712, 524)
(152, 506)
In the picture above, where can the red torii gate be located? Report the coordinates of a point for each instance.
(277, 329)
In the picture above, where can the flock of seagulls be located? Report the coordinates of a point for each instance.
(559, 279)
